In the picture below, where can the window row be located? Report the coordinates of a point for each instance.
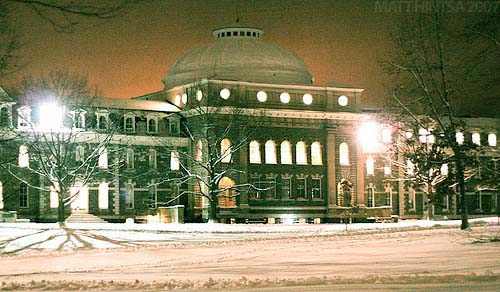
(238, 33)
(285, 153)
(286, 187)
(79, 155)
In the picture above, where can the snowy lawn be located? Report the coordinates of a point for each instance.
(20, 238)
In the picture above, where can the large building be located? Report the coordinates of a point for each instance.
(305, 161)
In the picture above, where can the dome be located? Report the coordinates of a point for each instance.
(238, 53)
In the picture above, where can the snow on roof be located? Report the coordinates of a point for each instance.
(4, 96)
(132, 104)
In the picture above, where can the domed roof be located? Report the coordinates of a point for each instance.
(238, 53)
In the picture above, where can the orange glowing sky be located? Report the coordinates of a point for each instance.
(340, 41)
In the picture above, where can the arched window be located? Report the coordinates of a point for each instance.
(23, 195)
(129, 159)
(371, 197)
(300, 153)
(153, 195)
(270, 152)
(4, 118)
(103, 158)
(492, 139)
(152, 158)
(152, 125)
(129, 196)
(225, 150)
(476, 138)
(199, 150)
(370, 166)
(227, 199)
(255, 152)
(286, 152)
(79, 120)
(24, 158)
(174, 160)
(103, 199)
(79, 153)
(343, 154)
(129, 124)
(103, 122)
(316, 154)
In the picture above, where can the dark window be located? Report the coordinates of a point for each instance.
(4, 118)
(301, 188)
(242, 33)
(103, 123)
(270, 186)
(254, 34)
(78, 120)
(316, 188)
(286, 186)
(129, 124)
(249, 33)
(228, 33)
(23, 195)
(223, 34)
(152, 125)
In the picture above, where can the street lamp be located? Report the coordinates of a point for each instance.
(51, 115)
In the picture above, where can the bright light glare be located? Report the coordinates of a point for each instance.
(367, 136)
(50, 116)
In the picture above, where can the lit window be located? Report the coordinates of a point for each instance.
(270, 185)
(370, 166)
(255, 152)
(459, 136)
(286, 152)
(386, 135)
(422, 135)
(103, 158)
(177, 100)
(24, 117)
(387, 169)
(307, 99)
(388, 195)
(24, 157)
(129, 159)
(316, 188)
(492, 140)
(227, 199)
(152, 159)
(153, 195)
(431, 139)
(261, 96)
(285, 97)
(184, 98)
(1, 196)
(225, 150)
(79, 153)
(199, 150)
(343, 154)
(199, 95)
(103, 199)
(368, 136)
(300, 153)
(129, 196)
(316, 154)
(343, 100)
(129, 124)
(174, 160)
(53, 196)
(412, 199)
(152, 125)
(444, 169)
(23, 195)
(408, 135)
(410, 167)
(225, 93)
(476, 138)
(270, 152)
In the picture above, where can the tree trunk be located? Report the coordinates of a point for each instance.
(212, 212)
(60, 213)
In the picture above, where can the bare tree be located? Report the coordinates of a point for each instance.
(211, 169)
(51, 131)
(63, 15)
(430, 75)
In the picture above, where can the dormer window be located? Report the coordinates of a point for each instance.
(102, 120)
(24, 117)
(152, 124)
(78, 119)
(5, 118)
(173, 127)
(129, 123)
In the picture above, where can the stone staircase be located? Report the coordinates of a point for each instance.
(83, 217)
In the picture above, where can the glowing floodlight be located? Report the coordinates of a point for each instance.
(367, 136)
(50, 116)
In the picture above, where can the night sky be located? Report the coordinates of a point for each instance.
(340, 41)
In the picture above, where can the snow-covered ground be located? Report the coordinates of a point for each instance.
(427, 256)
